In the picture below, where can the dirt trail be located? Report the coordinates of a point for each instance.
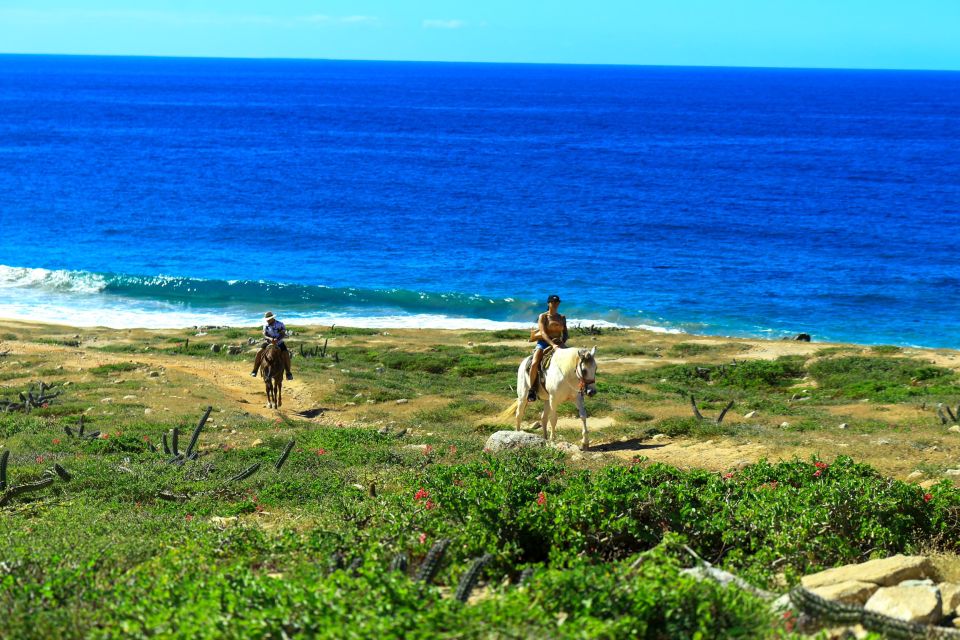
(230, 378)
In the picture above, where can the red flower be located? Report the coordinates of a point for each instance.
(188, 517)
(927, 497)
(818, 473)
(429, 505)
(39, 459)
(56, 441)
(453, 449)
(423, 538)
(105, 436)
(118, 434)
(259, 508)
(727, 476)
(820, 465)
(427, 450)
(421, 494)
(146, 438)
(489, 472)
(45, 405)
(321, 451)
(541, 498)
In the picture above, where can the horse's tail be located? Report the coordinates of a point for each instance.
(509, 412)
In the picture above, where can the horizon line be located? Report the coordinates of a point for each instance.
(477, 62)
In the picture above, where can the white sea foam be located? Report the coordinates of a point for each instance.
(121, 313)
(50, 279)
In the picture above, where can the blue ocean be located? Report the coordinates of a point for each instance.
(744, 202)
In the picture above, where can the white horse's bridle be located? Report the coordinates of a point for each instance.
(581, 375)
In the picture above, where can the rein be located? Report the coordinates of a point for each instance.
(581, 373)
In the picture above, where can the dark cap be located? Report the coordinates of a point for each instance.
(553, 298)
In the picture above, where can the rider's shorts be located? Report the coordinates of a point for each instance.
(543, 344)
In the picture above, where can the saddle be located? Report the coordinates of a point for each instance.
(544, 364)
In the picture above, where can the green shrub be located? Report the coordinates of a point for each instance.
(118, 367)
(881, 379)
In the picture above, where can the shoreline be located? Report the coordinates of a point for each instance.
(455, 325)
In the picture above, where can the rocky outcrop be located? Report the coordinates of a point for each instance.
(884, 572)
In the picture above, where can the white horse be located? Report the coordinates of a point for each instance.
(571, 375)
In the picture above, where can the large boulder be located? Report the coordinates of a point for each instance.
(849, 592)
(503, 440)
(920, 604)
(884, 572)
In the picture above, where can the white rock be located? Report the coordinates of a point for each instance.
(784, 425)
(843, 425)
(920, 604)
(750, 415)
(129, 397)
(402, 401)
(916, 475)
(952, 472)
(147, 411)
(106, 400)
(503, 440)
(954, 429)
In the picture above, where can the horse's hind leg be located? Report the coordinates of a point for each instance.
(279, 389)
(521, 407)
(544, 417)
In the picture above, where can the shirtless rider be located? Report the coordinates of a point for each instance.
(552, 334)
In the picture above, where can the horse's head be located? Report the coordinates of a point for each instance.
(587, 371)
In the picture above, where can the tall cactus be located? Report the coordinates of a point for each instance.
(431, 564)
(175, 441)
(469, 580)
(4, 457)
(196, 433)
(399, 563)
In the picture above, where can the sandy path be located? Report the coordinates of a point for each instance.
(230, 378)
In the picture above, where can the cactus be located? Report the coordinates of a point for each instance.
(13, 492)
(175, 441)
(169, 496)
(175, 460)
(335, 562)
(81, 425)
(283, 456)
(399, 563)
(4, 457)
(525, 576)
(246, 473)
(469, 579)
(166, 446)
(68, 431)
(63, 473)
(431, 564)
(355, 565)
(153, 447)
(196, 433)
(93, 435)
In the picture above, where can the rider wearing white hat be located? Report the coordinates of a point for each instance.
(274, 331)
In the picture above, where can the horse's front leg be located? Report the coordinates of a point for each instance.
(279, 389)
(544, 416)
(584, 438)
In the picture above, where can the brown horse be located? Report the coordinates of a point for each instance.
(272, 371)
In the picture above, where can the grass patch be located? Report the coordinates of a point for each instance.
(882, 379)
(117, 367)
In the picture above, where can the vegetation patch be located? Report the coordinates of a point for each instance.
(882, 379)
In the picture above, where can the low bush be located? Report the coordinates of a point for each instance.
(881, 379)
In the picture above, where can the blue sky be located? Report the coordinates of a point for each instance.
(920, 34)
